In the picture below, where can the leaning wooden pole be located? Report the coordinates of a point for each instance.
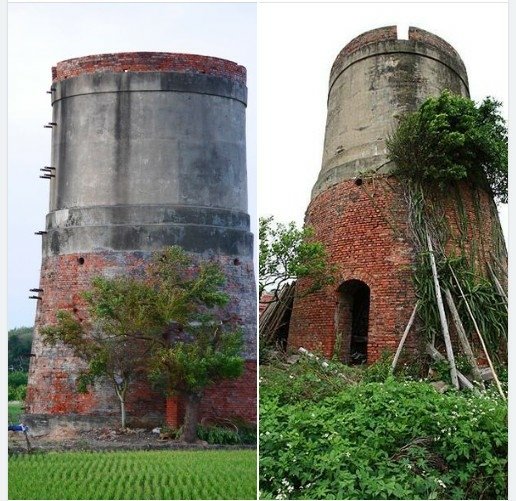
(498, 285)
(464, 381)
(463, 338)
(442, 316)
(403, 338)
(484, 347)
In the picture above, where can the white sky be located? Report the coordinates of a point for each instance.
(40, 35)
(297, 47)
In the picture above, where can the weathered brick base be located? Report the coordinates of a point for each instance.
(53, 370)
(231, 399)
(365, 231)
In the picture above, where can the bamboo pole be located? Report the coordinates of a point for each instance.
(442, 316)
(464, 381)
(495, 377)
(463, 338)
(404, 337)
(498, 285)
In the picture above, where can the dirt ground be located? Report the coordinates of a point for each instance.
(104, 439)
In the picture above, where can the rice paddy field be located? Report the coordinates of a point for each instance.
(134, 475)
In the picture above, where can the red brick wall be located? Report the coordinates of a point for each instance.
(225, 400)
(427, 38)
(366, 235)
(233, 397)
(53, 371)
(149, 61)
(174, 413)
(369, 37)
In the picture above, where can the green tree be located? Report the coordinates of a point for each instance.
(114, 340)
(19, 346)
(451, 138)
(198, 346)
(288, 253)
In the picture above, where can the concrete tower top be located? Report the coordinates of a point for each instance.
(385, 40)
(146, 62)
(375, 79)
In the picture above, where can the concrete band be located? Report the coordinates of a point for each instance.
(148, 237)
(350, 170)
(106, 81)
(401, 47)
(147, 228)
(147, 214)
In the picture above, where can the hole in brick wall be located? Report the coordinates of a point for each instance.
(353, 321)
(236, 261)
(80, 260)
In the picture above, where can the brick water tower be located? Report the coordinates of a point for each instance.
(148, 150)
(358, 209)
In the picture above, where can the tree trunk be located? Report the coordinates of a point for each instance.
(193, 401)
(121, 390)
(122, 412)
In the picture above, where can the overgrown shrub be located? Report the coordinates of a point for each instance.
(227, 436)
(304, 380)
(17, 393)
(17, 385)
(392, 440)
(451, 138)
(17, 378)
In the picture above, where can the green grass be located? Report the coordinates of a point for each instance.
(14, 410)
(134, 475)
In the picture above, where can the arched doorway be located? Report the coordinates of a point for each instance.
(352, 322)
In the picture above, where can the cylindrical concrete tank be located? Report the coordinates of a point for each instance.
(375, 78)
(148, 150)
(358, 209)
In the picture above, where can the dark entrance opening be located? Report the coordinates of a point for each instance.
(352, 322)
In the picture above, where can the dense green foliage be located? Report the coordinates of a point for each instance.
(19, 346)
(451, 138)
(288, 253)
(377, 440)
(134, 475)
(17, 385)
(224, 435)
(14, 411)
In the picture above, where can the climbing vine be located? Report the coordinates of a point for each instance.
(456, 273)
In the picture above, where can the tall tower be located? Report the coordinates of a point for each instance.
(357, 207)
(148, 150)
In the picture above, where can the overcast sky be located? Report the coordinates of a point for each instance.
(297, 49)
(40, 35)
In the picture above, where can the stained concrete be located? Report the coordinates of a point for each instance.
(369, 89)
(144, 160)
